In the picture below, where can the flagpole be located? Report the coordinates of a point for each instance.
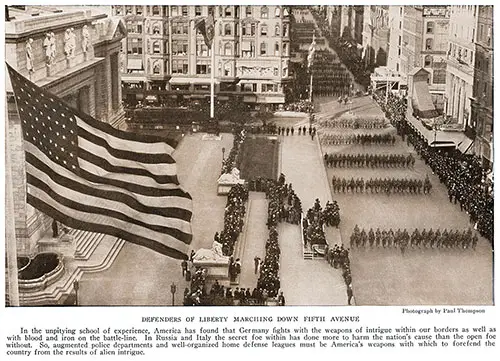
(212, 81)
(311, 87)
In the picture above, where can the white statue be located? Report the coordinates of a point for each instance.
(29, 55)
(213, 254)
(69, 43)
(85, 39)
(49, 45)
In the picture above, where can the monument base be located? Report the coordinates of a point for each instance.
(216, 270)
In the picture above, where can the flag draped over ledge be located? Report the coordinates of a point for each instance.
(90, 176)
(206, 27)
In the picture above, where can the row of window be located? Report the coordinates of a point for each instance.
(224, 11)
(180, 48)
(461, 54)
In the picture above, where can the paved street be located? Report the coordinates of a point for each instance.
(140, 276)
(427, 276)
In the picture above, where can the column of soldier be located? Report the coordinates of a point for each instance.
(354, 122)
(379, 185)
(334, 160)
(462, 174)
(361, 139)
(422, 239)
(300, 131)
(330, 77)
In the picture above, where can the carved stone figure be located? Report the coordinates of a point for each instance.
(213, 254)
(85, 39)
(29, 55)
(49, 45)
(69, 43)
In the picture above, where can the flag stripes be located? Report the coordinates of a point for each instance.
(90, 176)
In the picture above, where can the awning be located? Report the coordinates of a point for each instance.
(132, 79)
(465, 145)
(134, 64)
(185, 80)
(246, 46)
(423, 100)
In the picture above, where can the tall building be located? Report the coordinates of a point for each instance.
(165, 60)
(74, 54)
(351, 23)
(460, 63)
(376, 30)
(482, 92)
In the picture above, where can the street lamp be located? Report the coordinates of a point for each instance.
(76, 286)
(223, 151)
(173, 289)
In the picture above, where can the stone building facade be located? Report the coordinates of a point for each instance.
(165, 60)
(74, 54)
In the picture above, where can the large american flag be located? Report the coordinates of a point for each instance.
(91, 176)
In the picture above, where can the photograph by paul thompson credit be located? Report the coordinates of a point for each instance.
(253, 155)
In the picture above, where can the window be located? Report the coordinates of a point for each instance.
(428, 44)
(269, 88)
(118, 10)
(263, 48)
(197, 10)
(134, 46)
(156, 47)
(248, 11)
(285, 49)
(156, 10)
(264, 12)
(439, 72)
(156, 28)
(174, 11)
(203, 68)
(277, 49)
(179, 47)
(277, 12)
(179, 67)
(228, 12)
(138, 10)
(128, 9)
(156, 67)
(249, 87)
(179, 28)
(252, 29)
(248, 49)
(184, 11)
(277, 30)
(285, 30)
(202, 48)
(227, 29)
(134, 27)
(263, 30)
(228, 49)
(428, 61)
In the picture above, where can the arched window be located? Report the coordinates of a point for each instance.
(285, 49)
(248, 11)
(430, 27)
(227, 11)
(285, 30)
(228, 49)
(277, 12)
(156, 47)
(156, 10)
(156, 67)
(156, 28)
(264, 12)
(428, 61)
(263, 48)
(227, 29)
(277, 49)
(263, 30)
(428, 44)
(277, 30)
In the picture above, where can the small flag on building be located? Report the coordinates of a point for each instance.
(312, 50)
(206, 27)
(88, 175)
